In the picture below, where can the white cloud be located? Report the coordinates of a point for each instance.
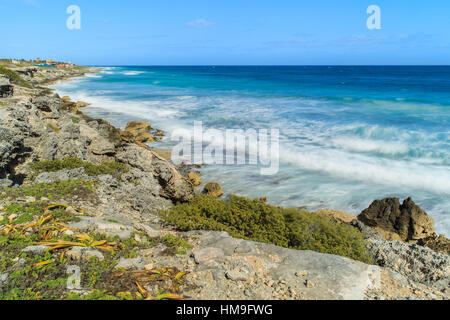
(200, 23)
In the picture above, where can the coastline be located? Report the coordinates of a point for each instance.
(270, 272)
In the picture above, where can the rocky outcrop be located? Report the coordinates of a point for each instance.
(140, 130)
(195, 178)
(6, 89)
(417, 263)
(407, 220)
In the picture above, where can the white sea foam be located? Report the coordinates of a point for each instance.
(377, 170)
(370, 146)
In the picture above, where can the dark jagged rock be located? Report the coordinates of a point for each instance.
(407, 220)
(6, 89)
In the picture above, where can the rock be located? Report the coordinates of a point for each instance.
(12, 216)
(339, 216)
(47, 104)
(102, 146)
(436, 243)
(6, 89)
(3, 277)
(207, 254)
(84, 254)
(407, 220)
(172, 184)
(144, 137)
(149, 266)
(128, 264)
(140, 130)
(213, 189)
(35, 250)
(152, 233)
(415, 262)
(236, 275)
(194, 178)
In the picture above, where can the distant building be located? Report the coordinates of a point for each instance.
(15, 61)
(49, 61)
(38, 60)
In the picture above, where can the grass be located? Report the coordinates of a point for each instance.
(255, 220)
(58, 190)
(115, 169)
(14, 77)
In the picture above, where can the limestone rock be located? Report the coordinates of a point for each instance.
(84, 254)
(207, 254)
(35, 250)
(101, 146)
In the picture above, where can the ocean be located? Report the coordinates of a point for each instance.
(348, 134)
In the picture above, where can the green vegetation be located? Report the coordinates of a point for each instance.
(14, 77)
(52, 191)
(75, 119)
(3, 104)
(43, 275)
(175, 245)
(53, 127)
(115, 169)
(255, 220)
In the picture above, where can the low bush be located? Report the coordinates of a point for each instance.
(14, 77)
(115, 169)
(255, 220)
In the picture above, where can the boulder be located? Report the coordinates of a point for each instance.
(194, 178)
(213, 189)
(140, 130)
(407, 220)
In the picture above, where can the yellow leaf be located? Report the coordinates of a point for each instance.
(180, 275)
(141, 289)
(169, 296)
(43, 263)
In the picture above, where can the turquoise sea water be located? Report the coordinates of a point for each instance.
(348, 135)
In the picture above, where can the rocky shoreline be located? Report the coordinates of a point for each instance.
(114, 188)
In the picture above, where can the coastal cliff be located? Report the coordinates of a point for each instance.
(76, 191)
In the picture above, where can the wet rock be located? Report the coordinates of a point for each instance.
(407, 220)
(213, 189)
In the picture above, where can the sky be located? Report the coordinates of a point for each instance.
(228, 32)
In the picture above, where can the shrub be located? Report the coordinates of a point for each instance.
(113, 168)
(255, 220)
(14, 77)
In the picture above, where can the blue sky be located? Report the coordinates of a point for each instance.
(221, 32)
